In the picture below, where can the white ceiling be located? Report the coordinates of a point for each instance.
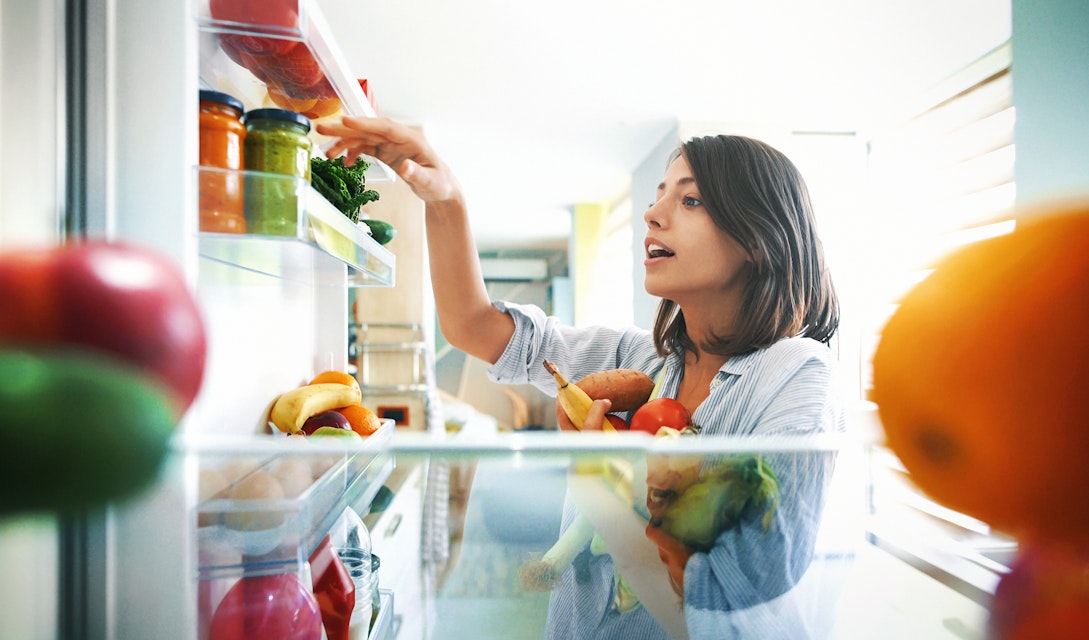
(539, 105)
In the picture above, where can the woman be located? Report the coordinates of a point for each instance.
(741, 339)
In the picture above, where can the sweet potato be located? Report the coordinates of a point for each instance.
(627, 388)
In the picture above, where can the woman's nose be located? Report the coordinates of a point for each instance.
(652, 216)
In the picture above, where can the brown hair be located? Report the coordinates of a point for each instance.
(755, 193)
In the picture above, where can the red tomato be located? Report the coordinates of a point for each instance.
(268, 16)
(300, 68)
(276, 606)
(126, 301)
(660, 412)
(617, 422)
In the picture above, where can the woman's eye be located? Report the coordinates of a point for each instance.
(689, 201)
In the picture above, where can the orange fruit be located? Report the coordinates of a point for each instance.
(280, 98)
(980, 376)
(323, 107)
(363, 420)
(338, 377)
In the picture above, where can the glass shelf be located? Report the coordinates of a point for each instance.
(322, 240)
(264, 534)
(289, 61)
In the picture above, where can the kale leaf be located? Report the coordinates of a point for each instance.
(344, 187)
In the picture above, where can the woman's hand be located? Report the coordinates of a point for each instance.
(402, 148)
(594, 418)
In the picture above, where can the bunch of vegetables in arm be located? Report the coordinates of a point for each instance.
(346, 189)
(979, 379)
(690, 501)
(102, 350)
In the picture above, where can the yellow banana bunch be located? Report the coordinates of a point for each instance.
(293, 407)
(574, 401)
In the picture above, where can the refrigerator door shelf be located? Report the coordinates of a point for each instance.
(383, 628)
(281, 54)
(278, 532)
(324, 240)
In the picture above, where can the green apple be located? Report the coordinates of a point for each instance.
(335, 431)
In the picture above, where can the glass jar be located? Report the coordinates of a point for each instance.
(221, 159)
(277, 142)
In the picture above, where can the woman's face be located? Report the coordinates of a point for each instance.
(688, 258)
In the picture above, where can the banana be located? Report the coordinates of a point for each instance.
(575, 402)
(293, 407)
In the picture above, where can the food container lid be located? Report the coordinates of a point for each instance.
(222, 98)
(277, 114)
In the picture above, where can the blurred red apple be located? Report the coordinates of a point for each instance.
(275, 606)
(1045, 595)
(126, 301)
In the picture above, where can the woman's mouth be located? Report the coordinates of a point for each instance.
(655, 250)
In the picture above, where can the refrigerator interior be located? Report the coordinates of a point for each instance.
(120, 104)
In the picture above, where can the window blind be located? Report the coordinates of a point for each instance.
(940, 178)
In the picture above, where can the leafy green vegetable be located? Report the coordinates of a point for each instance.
(736, 488)
(344, 187)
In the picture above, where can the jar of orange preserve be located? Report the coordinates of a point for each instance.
(222, 137)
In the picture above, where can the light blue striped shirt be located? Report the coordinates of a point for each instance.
(784, 389)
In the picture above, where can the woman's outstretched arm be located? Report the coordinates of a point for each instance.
(466, 315)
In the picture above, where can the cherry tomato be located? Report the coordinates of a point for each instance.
(660, 412)
(126, 301)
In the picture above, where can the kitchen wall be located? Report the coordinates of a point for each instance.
(1050, 93)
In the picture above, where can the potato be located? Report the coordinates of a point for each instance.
(627, 388)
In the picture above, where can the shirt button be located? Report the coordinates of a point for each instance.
(716, 383)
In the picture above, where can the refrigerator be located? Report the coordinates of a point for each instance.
(99, 135)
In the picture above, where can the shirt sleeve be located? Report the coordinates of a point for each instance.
(576, 352)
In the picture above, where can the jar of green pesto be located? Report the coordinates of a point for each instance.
(277, 142)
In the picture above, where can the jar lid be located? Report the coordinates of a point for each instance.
(277, 114)
(222, 98)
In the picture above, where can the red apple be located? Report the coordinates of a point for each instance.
(326, 419)
(126, 301)
(272, 606)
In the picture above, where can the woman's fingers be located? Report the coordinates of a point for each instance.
(379, 138)
(595, 417)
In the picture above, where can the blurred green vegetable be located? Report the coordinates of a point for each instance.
(79, 430)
